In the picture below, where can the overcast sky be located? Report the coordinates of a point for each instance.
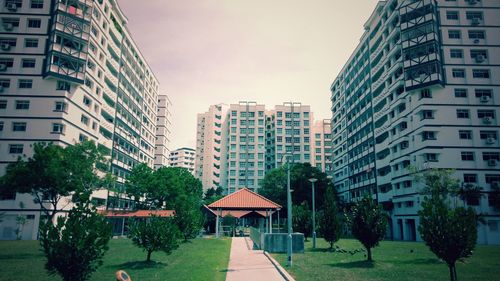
(223, 51)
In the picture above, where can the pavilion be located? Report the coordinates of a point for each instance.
(247, 205)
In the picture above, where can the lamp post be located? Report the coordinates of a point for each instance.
(313, 180)
(289, 211)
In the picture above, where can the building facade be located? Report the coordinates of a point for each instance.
(420, 90)
(70, 71)
(183, 158)
(163, 131)
(253, 141)
(321, 146)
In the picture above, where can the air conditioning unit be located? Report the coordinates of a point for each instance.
(8, 26)
(12, 7)
(490, 140)
(487, 120)
(3, 67)
(476, 41)
(475, 21)
(5, 46)
(492, 162)
(479, 58)
(484, 99)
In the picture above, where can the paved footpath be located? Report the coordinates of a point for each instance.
(247, 264)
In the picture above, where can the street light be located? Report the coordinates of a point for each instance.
(313, 180)
(289, 210)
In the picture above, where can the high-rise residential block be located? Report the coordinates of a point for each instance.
(71, 71)
(163, 131)
(183, 158)
(420, 90)
(321, 146)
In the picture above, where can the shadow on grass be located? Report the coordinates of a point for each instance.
(353, 264)
(139, 265)
(226, 270)
(20, 256)
(321, 250)
(418, 261)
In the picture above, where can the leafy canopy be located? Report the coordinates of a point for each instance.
(329, 224)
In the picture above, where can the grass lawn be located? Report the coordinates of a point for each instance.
(392, 261)
(201, 259)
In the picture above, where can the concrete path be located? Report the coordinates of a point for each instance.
(247, 264)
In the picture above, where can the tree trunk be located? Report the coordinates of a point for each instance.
(369, 253)
(149, 255)
(453, 272)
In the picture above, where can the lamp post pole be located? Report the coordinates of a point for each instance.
(289, 212)
(313, 180)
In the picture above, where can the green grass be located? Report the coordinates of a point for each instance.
(200, 259)
(392, 261)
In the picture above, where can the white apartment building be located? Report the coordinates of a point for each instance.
(183, 158)
(321, 146)
(421, 89)
(163, 131)
(70, 71)
(209, 135)
(253, 141)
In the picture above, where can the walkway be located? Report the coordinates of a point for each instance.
(247, 264)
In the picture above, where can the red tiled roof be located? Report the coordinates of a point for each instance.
(244, 199)
(138, 213)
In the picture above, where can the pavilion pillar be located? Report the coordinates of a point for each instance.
(270, 222)
(217, 223)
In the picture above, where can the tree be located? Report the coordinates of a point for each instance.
(188, 217)
(74, 247)
(449, 230)
(368, 223)
(54, 172)
(301, 219)
(274, 184)
(212, 195)
(155, 234)
(329, 225)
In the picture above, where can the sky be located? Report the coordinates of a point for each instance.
(207, 52)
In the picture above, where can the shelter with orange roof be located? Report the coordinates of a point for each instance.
(247, 205)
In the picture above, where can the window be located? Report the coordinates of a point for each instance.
(31, 43)
(19, 126)
(485, 113)
(63, 86)
(458, 73)
(488, 134)
(481, 73)
(82, 137)
(84, 119)
(431, 157)
(465, 135)
(23, 104)
(454, 34)
(12, 42)
(476, 34)
(34, 23)
(425, 93)
(57, 128)
(470, 178)
(478, 54)
(452, 15)
(36, 4)
(14, 22)
(9, 62)
(86, 101)
(16, 148)
(483, 93)
(463, 113)
(491, 156)
(5, 83)
(28, 63)
(3, 104)
(474, 15)
(456, 53)
(460, 93)
(25, 83)
(1, 126)
(427, 114)
(60, 106)
(428, 135)
(467, 156)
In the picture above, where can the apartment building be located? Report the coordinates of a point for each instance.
(183, 158)
(163, 131)
(70, 71)
(253, 141)
(420, 90)
(209, 135)
(321, 146)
